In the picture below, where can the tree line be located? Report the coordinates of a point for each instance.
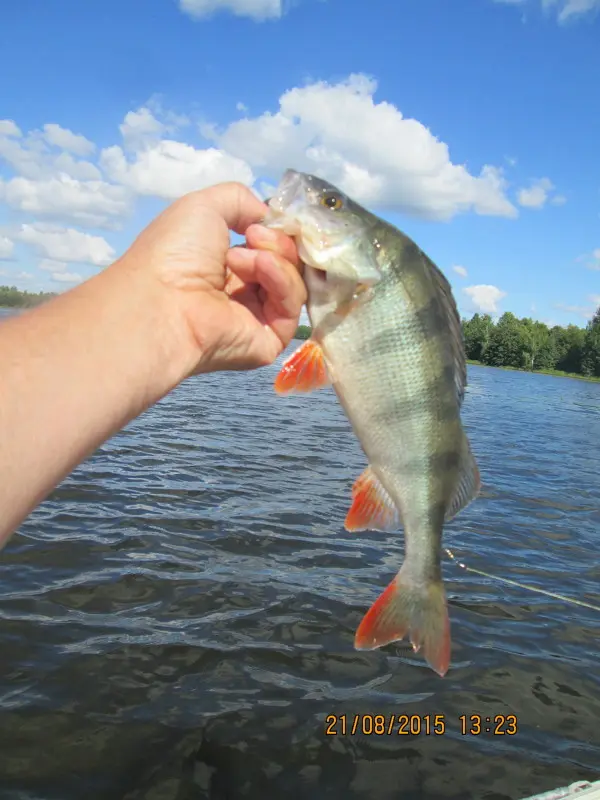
(510, 342)
(527, 344)
(11, 297)
(531, 345)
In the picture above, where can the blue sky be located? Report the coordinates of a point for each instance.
(473, 125)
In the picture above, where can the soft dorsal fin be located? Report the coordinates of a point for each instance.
(469, 481)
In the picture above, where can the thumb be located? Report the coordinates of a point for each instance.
(235, 202)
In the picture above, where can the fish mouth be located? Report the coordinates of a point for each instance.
(276, 217)
(323, 239)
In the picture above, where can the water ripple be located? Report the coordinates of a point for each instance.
(177, 619)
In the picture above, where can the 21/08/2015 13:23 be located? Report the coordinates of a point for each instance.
(418, 724)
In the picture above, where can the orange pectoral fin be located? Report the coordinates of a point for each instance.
(372, 507)
(304, 371)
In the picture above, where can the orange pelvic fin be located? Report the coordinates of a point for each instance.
(407, 607)
(372, 507)
(304, 371)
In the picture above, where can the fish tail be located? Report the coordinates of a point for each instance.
(410, 606)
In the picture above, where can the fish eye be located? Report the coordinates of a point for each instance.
(332, 201)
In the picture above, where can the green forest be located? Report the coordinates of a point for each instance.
(11, 297)
(530, 345)
(526, 344)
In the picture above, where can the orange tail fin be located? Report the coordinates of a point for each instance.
(409, 607)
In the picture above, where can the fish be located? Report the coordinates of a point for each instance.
(387, 337)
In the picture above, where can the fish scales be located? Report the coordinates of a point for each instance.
(387, 335)
(386, 358)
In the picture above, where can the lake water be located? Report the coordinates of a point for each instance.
(177, 620)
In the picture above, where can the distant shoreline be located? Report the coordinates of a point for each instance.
(553, 373)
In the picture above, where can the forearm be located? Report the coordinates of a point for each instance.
(73, 372)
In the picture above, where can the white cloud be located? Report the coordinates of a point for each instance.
(67, 277)
(67, 244)
(50, 265)
(241, 107)
(140, 127)
(24, 157)
(64, 163)
(593, 260)
(67, 140)
(537, 194)
(25, 276)
(169, 169)
(6, 247)
(255, 9)
(94, 203)
(369, 149)
(485, 297)
(460, 271)
(338, 131)
(264, 190)
(587, 312)
(9, 128)
(51, 182)
(595, 299)
(565, 9)
(35, 156)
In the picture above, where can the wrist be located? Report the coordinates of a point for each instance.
(154, 328)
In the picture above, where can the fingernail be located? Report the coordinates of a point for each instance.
(242, 253)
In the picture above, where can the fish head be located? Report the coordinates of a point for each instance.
(332, 232)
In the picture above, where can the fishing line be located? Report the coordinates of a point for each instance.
(522, 585)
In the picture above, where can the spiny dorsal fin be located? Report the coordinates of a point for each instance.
(443, 290)
(455, 337)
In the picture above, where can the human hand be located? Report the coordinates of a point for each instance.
(229, 308)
